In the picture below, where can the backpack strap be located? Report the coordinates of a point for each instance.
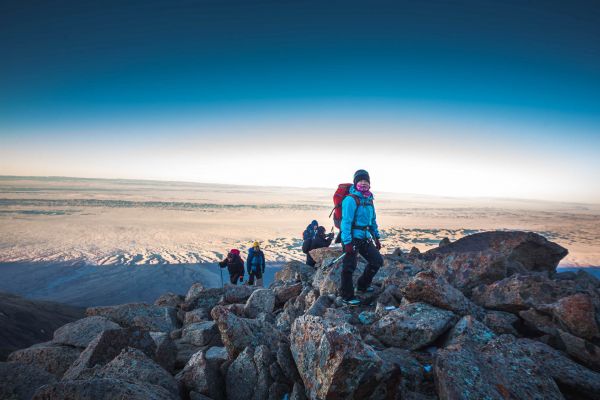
(357, 201)
(369, 202)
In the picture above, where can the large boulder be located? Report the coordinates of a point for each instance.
(102, 389)
(262, 300)
(107, 346)
(577, 314)
(520, 292)
(325, 254)
(413, 326)
(538, 323)
(574, 380)
(285, 361)
(486, 257)
(469, 330)
(55, 359)
(248, 377)
(205, 299)
(238, 333)
(507, 368)
(184, 353)
(169, 300)
(410, 381)
(464, 372)
(332, 360)
(286, 292)
(237, 293)
(200, 333)
(295, 271)
(444, 242)
(294, 308)
(197, 315)
(80, 333)
(586, 352)
(429, 287)
(327, 279)
(501, 322)
(202, 374)
(142, 315)
(393, 269)
(166, 351)
(20, 381)
(194, 292)
(133, 365)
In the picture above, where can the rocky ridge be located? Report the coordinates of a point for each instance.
(484, 317)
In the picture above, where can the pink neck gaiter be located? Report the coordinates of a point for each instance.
(364, 189)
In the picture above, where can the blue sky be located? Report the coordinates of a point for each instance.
(254, 91)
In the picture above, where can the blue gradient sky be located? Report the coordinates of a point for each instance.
(500, 98)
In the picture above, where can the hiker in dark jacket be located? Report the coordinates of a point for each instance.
(311, 230)
(319, 241)
(360, 234)
(235, 266)
(255, 265)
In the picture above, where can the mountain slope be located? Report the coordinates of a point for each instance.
(25, 322)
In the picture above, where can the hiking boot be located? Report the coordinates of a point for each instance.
(366, 290)
(353, 302)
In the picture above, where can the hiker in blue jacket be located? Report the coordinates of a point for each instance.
(311, 230)
(359, 234)
(255, 264)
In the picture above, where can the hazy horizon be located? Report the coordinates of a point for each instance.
(324, 188)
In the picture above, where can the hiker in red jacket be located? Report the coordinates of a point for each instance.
(235, 266)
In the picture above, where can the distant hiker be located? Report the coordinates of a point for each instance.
(320, 240)
(255, 264)
(359, 233)
(235, 266)
(311, 230)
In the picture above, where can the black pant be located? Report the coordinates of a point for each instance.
(234, 278)
(254, 274)
(367, 249)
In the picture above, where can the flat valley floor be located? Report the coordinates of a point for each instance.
(121, 222)
(91, 242)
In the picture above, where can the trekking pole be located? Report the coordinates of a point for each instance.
(221, 271)
(336, 260)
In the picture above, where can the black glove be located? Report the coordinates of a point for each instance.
(349, 248)
(377, 244)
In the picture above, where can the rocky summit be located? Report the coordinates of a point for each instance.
(485, 317)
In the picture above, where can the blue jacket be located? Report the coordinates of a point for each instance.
(365, 216)
(255, 261)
